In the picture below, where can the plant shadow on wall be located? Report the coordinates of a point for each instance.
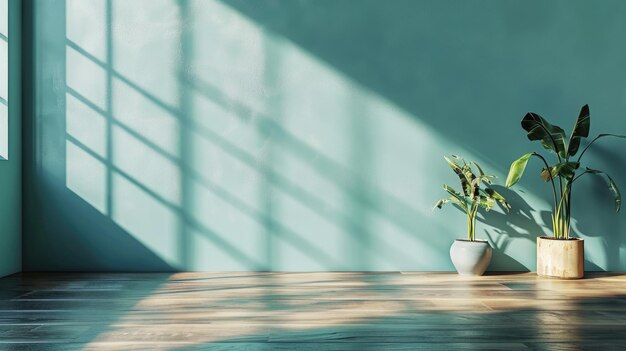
(458, 69)
(593, 226)
(519, 223)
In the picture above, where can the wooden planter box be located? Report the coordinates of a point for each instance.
(560, 258)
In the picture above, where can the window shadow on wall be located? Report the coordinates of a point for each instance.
(201, 178)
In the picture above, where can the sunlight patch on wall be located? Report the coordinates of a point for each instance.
(156, 172)
(86, 176)
(239, 176)
(235, 58)
(86, 77)
(143, 116)
(211, 120)
(151, 222)
(221, 235)
(85, 125)
(146, 45)
(4, 19)
(87, 27)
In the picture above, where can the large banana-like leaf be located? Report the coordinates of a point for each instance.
(481, 174)
(563, 169)
(457, 169)
(486, 202)
(552, 137)
(497, 197)
(466, 177)
(517, 169)
(474, 181)
(612, 187)
(581, 130)
(461, 199)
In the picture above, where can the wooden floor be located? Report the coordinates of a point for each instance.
(311, 311)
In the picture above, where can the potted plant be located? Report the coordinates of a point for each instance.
(471, 256)
(561, 255)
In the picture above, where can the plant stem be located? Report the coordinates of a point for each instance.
(566, 215)
(471, 222)
(560, 186)
(594, 140)
(588, 145)
(569, 205)
(551, 180)
(556, 149)
(578, 176)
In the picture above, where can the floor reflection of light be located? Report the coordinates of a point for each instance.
(205, 308)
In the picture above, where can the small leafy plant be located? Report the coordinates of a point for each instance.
(562, 175)
(472, 196)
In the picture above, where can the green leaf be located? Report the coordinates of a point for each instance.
(496, 196)
(457, 157)
(480, 170)
(486, 202)
(551, 137)
(466, 177)
(482, 176)
(517, 169)
(581, 130)
(442, 202)
(612, 187)
(461, 199)
(563, 169)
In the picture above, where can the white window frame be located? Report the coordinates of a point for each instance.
(4, 79)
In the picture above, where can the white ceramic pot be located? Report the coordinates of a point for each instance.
(470, 257)
(559, 258)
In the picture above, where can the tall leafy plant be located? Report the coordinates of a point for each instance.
(473, 196)
(567, 169)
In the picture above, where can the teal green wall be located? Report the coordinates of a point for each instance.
(10, 170)
(307, 135)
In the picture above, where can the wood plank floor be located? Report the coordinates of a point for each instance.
(311, 311)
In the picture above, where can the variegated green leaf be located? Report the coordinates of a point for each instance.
(442, 202)
(462, 200)
(496, 196)
(486, 202)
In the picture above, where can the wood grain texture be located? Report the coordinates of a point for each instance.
(311, 311)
